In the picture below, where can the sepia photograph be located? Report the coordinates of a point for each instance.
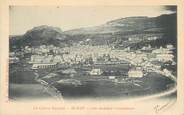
(92, 52)
(91, 57)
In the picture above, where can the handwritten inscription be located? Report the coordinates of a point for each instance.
(159, 108)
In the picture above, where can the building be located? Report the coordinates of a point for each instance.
(169, 46)
(165, 57)
(43, 65)
(13, 60)
(96, 72)
(58, 59)
(153, 38)
(36, 59)
(134, 38)
(46, 59)
(112, 77)
(162, 51)
(135, 73)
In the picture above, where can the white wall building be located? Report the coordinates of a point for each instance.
(96, 72)
(165, 57)
(43, 65)
(135, 73)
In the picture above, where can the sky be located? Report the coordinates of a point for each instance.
(23, 18)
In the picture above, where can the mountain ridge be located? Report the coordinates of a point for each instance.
(106, 32)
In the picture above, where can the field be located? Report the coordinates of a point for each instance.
(27, 91)
(24, 86)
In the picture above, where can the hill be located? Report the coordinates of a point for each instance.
(124, 28)
(41, 35)
(112, 32)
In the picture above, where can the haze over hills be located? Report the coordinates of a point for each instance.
(128, 24)
(119, 25)
(122, 28)
(110, 32)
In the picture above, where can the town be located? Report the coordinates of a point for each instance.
(140, 61)
(79, 62)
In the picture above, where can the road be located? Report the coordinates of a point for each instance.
(51, 90)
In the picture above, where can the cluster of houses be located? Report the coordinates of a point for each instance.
(164, 54)
(51, 56)
(149, 37)
(13, 58)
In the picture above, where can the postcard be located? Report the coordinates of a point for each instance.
(92, 57)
